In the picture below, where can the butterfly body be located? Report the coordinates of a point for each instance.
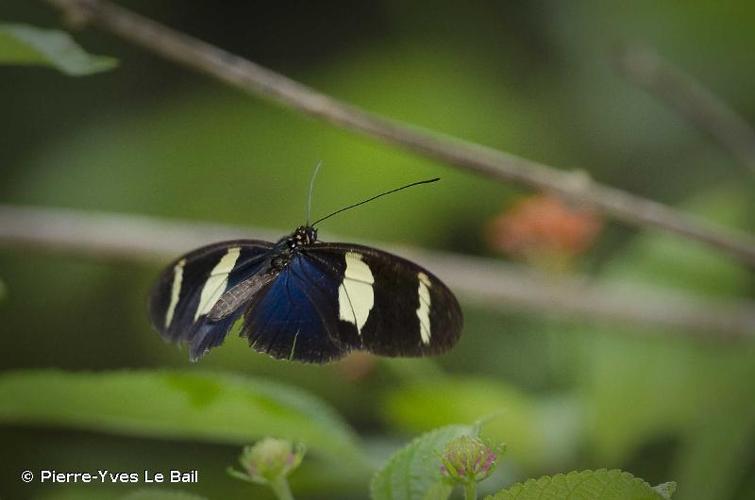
(305, 300)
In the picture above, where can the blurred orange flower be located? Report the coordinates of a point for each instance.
(542, 229)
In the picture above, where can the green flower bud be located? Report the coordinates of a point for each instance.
(269, 460)
(468, 459)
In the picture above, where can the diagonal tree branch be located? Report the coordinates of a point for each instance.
(484, 282)
(498, 165)
(647, 69)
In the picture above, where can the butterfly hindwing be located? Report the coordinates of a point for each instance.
(386, 304)
(295, 317)
(189, 288)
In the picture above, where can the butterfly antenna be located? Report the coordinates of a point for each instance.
(427, 181)
(311, 189)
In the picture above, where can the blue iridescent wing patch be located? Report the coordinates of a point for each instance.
(295, 317)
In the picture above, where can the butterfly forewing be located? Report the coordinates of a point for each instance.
(386, 304)
(190, 287)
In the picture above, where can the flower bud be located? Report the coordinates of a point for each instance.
(269, 460)
(467, 459)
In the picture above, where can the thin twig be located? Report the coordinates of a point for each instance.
(647, 69)
(503, 167)
(484, 282)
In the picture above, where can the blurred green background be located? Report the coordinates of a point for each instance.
(536, 79)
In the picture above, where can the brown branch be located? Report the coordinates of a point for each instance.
(503, 167)
(483, 282)
(647, 69)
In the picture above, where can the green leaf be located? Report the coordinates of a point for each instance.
(585, 485)
(176, 405)
(666, 489)
(414, 471)
(153, 494)
(536, 431)
(27, 45)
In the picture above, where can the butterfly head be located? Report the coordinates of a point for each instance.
(304, 235)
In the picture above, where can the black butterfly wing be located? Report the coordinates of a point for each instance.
(386, 304)
(188, 289)
(295, 317)
(329, 299)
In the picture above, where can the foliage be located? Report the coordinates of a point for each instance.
(528, 426)
(178, 405)
(418, 471)
(586, 485)
(690, 390)
(414, 472)
(155, 140)
(21, 44)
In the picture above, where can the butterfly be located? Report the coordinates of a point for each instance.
(305, 300)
